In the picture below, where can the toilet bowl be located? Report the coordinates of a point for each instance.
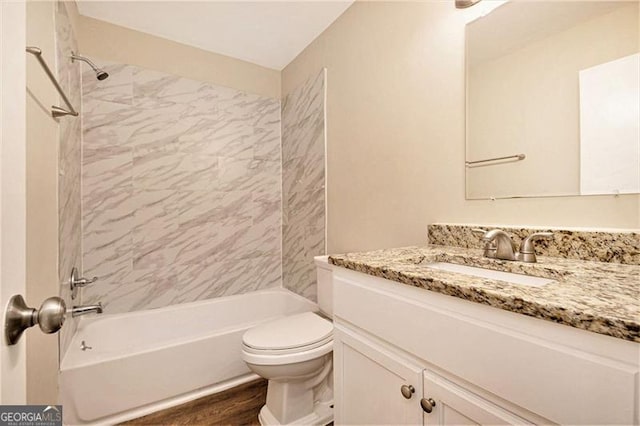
(295, 354)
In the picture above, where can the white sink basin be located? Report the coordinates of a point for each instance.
(491, 274)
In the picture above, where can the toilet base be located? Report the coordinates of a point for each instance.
(322, 415)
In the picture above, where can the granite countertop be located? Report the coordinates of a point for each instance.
(595, 296)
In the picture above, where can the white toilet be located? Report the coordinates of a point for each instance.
(295, 354)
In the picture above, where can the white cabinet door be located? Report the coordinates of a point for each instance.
(369, 381)
(455, 405)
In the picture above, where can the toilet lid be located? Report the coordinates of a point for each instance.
(295, 331)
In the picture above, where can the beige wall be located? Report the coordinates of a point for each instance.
(513, 110)
(395, 131)
(102, 40)
(42, 208)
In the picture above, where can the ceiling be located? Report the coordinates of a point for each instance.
(267, 33)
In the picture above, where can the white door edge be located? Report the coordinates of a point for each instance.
(12, 189)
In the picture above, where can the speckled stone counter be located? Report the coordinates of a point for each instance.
(598, 246)
(595, 296)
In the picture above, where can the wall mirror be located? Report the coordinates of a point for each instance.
(553, 100)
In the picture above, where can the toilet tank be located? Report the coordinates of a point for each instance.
(324, 274)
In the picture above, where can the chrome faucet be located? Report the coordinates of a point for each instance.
(76, 311)
(499, 245)
(505, 248)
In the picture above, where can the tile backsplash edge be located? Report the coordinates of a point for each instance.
(600, 245)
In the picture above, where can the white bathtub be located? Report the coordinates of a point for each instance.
(144, 361)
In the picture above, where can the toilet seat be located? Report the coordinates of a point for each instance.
(285, 351)
(258, 358)
(295, 338)
(291, 333)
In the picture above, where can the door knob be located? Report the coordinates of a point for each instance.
(50, 317)
(407, 391)
(427, 404)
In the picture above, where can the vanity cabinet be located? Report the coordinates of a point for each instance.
(377, 386)
(473, 364)
(455, 405)
(374, 386)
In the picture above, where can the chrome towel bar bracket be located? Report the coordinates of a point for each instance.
(56, 111)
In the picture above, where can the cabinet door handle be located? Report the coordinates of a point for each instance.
(427, 404)
(407, 391)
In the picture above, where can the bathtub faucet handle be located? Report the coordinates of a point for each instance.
(75, 282)
(81, 282)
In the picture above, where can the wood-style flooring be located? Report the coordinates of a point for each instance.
(235, 406)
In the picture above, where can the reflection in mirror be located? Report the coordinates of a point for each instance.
(555, 88)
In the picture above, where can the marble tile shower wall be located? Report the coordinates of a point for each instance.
(303, 184)
(181, 190)
(69, 165)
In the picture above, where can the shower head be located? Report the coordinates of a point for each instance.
(100, 74)
(463, 4)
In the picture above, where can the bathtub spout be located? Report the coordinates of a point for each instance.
(86, 309)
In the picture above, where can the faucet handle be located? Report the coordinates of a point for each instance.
(527, 248)
(76, 282)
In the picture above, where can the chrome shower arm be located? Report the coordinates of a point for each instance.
(100, 73)
(75, 57)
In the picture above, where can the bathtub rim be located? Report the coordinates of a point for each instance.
(84, 321)
(180, 306)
